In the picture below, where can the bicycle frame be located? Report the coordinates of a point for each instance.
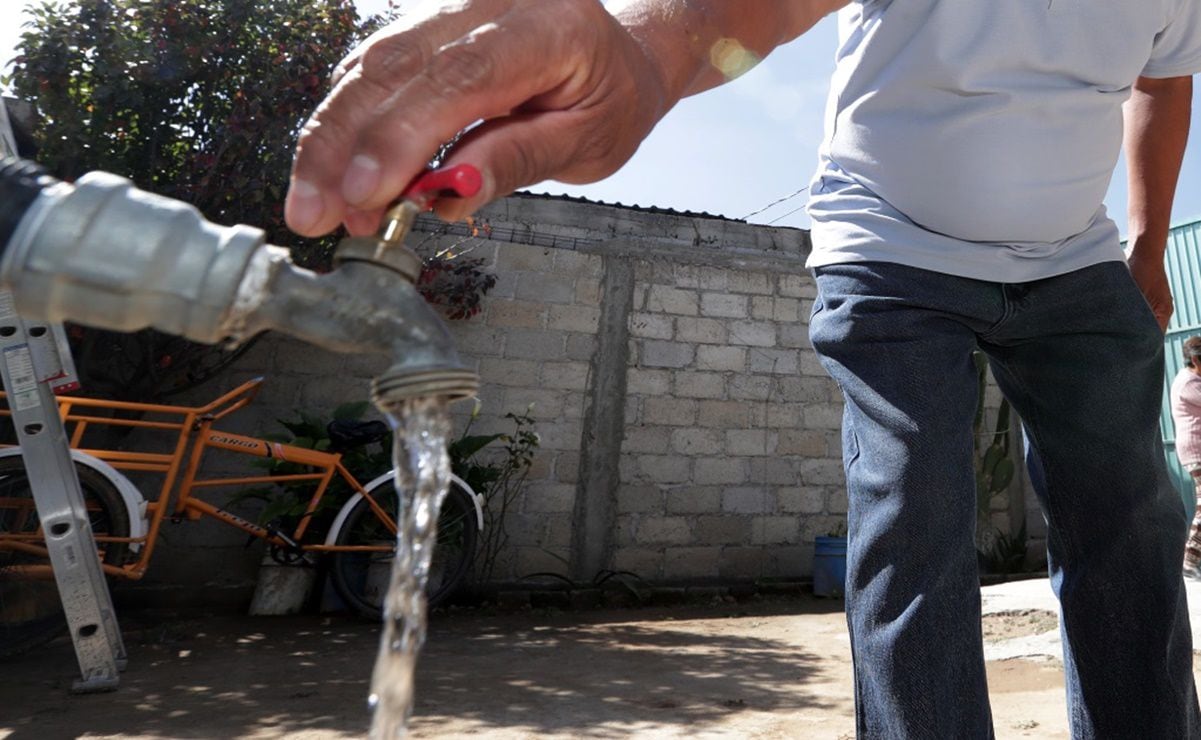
(194, 437)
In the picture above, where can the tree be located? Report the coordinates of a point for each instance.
(200, 100)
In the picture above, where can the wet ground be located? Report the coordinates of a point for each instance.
(777, 668)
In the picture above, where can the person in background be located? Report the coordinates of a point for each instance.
(1186, 413)
(957, 204)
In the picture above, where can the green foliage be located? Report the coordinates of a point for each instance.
(1008, 553)
(200, 100)
(286, 502)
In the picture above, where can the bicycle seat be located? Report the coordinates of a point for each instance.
(347, 434)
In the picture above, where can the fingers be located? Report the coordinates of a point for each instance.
(365, 81)
(556, 84)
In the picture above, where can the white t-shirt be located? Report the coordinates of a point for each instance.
(978, 137)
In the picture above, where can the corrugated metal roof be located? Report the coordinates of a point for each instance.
(644, 209)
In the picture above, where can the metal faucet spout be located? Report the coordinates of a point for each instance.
(361, 307)
(103, 253)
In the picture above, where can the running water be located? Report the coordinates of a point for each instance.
(420, 428)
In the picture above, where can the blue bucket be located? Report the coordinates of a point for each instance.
(829, 566)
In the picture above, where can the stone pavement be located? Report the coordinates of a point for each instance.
(1036, 594)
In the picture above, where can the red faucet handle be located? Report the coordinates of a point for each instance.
(461, 181)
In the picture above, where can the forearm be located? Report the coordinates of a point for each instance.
(1157, 119)
(699, 44)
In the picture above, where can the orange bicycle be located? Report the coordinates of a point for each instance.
(359, 544)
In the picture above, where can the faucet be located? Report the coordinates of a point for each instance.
(103, 253)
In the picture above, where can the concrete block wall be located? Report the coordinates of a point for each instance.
(688, 433)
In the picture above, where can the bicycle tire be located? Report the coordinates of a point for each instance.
(31, 612)
(361, 578)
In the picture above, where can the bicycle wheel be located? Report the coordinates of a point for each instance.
(30, 610)
(361, 578)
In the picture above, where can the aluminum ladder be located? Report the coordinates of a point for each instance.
(36, 363)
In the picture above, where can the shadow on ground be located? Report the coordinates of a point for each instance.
(577, 674)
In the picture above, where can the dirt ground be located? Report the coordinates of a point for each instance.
(776, 668)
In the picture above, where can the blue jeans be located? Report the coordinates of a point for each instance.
(1080, 357)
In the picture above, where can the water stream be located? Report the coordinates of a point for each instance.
(420, 429)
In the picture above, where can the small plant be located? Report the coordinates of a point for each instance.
(498, 478)
(994, 466)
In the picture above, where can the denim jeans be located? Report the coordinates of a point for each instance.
(1080, 357)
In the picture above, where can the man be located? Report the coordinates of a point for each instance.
(957, 204)
(1185, 398)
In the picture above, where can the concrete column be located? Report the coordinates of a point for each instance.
(595, 512)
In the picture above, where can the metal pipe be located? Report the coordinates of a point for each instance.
(101, 252)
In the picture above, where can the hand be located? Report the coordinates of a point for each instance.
(563, 91)
(1147, 268)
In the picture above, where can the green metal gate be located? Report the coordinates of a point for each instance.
(1184, 273)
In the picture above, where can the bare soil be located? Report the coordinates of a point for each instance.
(775, 668)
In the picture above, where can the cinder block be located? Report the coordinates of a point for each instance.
(670, 530)
(515, 314)
(795, 336)
(836, 501)
(711, 471)
(665, 299)
(745, 387)
(747, 500)
(665, 468)
(722, 530)
(742, 562)
(511, 257)
(651, 326)
(700, 385)
(691, 441)
(700, 331)
(691, 562)
(639, 499)
(648, 382)
(750, 442)
(569, 262)
(672, 411)
(666, 354)
(774, 471)
(566, 375)
(544, 498)
(654, 440)
(588, 291)
(645, 562)
(530, 344)
(796, 286)
(509, 372)
(694, 500)
(753, 333)
(573, 318)
(721, 359)
(784, 416)
(801, 500)
(581, 347)
(774, 361)
(758, 283)
(775, 530)
(723, 414)
(533, 286)
(822, 473)
(803, 443)
(823, 416)
(724, 305)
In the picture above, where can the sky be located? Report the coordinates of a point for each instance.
(737, 150)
